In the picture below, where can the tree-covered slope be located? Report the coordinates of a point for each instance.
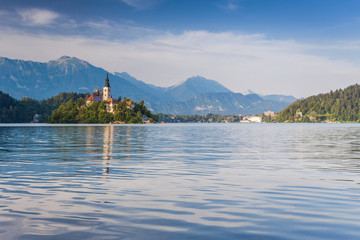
(23, 111)
(11, 111)
(341, 106)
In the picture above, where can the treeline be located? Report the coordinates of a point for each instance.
(336, 106)
(23, 111)
(216, 118)
(77, 112)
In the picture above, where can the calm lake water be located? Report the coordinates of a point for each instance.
(180, 181)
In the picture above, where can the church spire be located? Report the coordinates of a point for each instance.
(107, 84)
(107, 88)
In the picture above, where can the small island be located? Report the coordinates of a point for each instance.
(100, 107)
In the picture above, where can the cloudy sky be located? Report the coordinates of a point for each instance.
(297, 47)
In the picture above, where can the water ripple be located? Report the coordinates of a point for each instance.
(180, 181)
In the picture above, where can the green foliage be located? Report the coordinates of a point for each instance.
(338, 106)
(96, 112)
(61, 98)
(69, 108)
(11, 110)
(23, 111)
(268, 118)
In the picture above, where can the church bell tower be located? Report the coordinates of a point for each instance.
(107, 88)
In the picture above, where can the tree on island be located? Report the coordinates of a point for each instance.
(96, 112)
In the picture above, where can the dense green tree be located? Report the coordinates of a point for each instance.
(78, 112)
(340, 105)
(22, 111)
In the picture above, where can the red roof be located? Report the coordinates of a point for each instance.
(94, 98)
(111, 100)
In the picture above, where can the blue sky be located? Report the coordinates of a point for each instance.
(270, 46)
(305, 19)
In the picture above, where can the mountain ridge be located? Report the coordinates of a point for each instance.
(222, 103)
(41, 80)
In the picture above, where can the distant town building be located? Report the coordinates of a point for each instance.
(145, 119)
(130, 105)
(255, 119)
(35, 118)
(269, 114)
(228, 119)
(298, 114)
(104, 95)
(251, 119)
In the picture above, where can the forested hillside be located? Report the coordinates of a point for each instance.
(336, 106)
(23, 111)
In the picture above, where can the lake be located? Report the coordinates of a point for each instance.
(180, 181)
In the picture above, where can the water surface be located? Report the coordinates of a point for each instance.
(180, 181)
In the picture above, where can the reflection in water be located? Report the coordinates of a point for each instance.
(180, 181)
(107, 147)
(101, 141)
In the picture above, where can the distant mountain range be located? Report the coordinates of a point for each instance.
(196, 95)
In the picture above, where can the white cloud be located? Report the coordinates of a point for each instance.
(238, 61)
(231, 6)
(141, 4)
(111, 29)
(37, 17)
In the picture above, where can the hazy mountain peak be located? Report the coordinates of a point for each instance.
(68, 59)
(63, 58)
(45, 79)
(198, 80)
(125, 75)
(280, 98)
(194, 86)
(72, 61)
(3, 60)
(212, 85)
(249, 91)
(197, 77)
(190, 79)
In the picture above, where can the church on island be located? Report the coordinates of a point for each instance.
(105, 95)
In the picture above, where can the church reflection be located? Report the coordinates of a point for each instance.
(110, 142)
(99, 142)
(108, 139)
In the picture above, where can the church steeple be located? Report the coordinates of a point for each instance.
(107, 84)
(107, 88)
